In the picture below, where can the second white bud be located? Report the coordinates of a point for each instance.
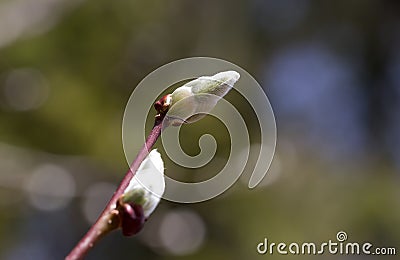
(195, 99)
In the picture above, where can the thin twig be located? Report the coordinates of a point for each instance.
(107, 221)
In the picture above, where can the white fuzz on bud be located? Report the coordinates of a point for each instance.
(148, 185)
(195, 99)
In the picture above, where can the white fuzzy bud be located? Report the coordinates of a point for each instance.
(192, 101)
(148, 185)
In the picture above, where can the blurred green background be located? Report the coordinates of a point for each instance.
(331, 71)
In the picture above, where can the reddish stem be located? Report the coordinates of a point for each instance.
(106, 222)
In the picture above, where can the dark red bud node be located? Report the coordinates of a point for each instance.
(163, 104)
(132, 219)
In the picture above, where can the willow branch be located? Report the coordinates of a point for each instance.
(107, 220)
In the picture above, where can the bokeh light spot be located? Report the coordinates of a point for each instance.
(182, 232)
(50, 187)
(25, 89)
